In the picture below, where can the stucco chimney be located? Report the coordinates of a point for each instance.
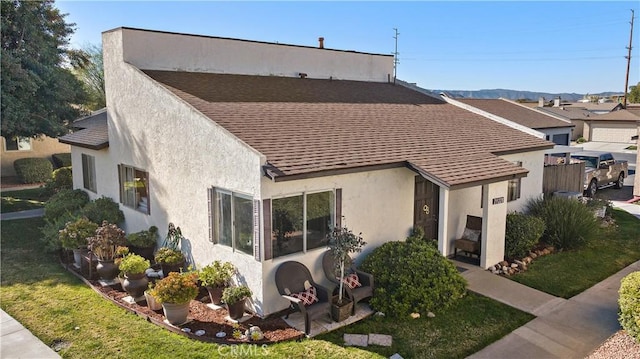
(321, 41)
(556, 102)
(541, 101)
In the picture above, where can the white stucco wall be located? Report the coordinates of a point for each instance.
(493, 224)
(184, 153)
(530, 186)
(106, 174)
(462, 202)
(165, 51)
(378, 203)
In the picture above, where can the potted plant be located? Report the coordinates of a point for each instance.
(342, 242)
(135, 278)
(144, 242)
(234, 298)
(215, 277)
(108, 237)
(175, 292)
(152, 302)
(170, 260)
(74, 236)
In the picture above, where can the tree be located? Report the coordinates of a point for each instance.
(39, 93)
(634, 94)
(88, 68)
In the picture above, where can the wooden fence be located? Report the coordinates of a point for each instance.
(568, 177)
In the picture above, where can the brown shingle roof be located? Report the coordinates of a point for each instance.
(513, 112)
(94, 133)
(309, 127)
(619, 115)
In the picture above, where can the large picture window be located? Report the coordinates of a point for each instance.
(301, 222)
(513, 192)
(134, 188)
(89, 172)
(234, 220)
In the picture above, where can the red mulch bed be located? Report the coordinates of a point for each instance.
(274, 328)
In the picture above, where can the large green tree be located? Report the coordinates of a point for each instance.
(88, 68)
(40, 94)
(634, 94)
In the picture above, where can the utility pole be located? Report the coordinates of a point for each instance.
(628, 57)
(396, 61)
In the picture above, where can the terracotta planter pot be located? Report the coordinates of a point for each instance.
(341, 312)
(236, 310)
(135, 284)
(215, 293)
(176, 314)
(152, 303)
(107, 270)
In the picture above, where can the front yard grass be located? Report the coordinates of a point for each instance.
(59, 309)
(568, 273)
(21, 200)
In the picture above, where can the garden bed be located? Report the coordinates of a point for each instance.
(201, 317)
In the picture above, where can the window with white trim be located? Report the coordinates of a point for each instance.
(17, 143)
(302, 222)
(233, 220)
(89, 172)
(134, 188)
(513, 190)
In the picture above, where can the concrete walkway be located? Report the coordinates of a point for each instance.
(18, 342)
(31, 213)
(570, 328)
(629, 207)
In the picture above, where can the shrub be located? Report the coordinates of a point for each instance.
(169, 256)
(65, 201)
(74, 234)
(629, 302)
(581, 140)
(61, 159)
(569, 223)
(412, 277)
(106, 242)
(176, 288)
(103, 209)
(235, 294)
(33, 170)
(216, 274)
(62, 178)
(51, 230)
(522, 233)
(134, 264)
(143, 239)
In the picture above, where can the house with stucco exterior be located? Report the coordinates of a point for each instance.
(257, 149)
(27, 147)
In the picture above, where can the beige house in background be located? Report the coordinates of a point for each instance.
(23, 147)
(256, 149)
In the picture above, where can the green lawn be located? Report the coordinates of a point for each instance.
(566, 274)
(13, 201)
(59, 308)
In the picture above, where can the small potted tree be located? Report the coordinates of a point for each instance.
(215, 277)
(108, 237)
(170, 260)
(343, 242)
(74, 237)
(135, 278)
(143, 243)
(234, 298)
(175, 292)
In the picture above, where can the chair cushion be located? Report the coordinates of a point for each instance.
(307, 297)
(352, 281)
(471, 234)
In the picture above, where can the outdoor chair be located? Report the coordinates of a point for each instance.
(355, 294)
(290, 280)
(471, 240)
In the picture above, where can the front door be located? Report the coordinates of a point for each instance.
(425, 213)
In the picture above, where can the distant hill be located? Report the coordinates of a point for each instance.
(517, 95)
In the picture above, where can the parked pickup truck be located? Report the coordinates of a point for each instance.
(601, 170)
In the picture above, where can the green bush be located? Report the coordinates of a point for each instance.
(412, 277)
(569, 223)
(134, 264)
(61, 159)
(65, 201)
(51, 230)
(62, 179)
(581, 140)
(103, 209)
(143, 239)
(74, 234)
(33, 170)
(522, 233)
(629, 302)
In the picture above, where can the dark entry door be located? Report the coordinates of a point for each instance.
(425, 212)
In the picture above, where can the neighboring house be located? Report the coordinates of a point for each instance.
(555, 130)
(616, 126)
(577, 116)
(24, 147)
(256, 149)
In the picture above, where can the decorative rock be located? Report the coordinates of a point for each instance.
(546, 251)
(431, 315)
(199, 332)
(396, 356)
(504, 268)
(494, 270)
(380, 314)
(527, 260)
(186, 330)
(514, 265)
(415, 315)
(254, 333)
(360, 340)
(380, 339)
(533, 255)
(504, 263)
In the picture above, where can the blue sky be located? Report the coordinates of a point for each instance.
(537, 46)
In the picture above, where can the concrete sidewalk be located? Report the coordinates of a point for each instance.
(17, 342)
(570, 328)
(628, 207)
(31, 213)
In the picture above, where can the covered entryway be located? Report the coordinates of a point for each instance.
(426, 207)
